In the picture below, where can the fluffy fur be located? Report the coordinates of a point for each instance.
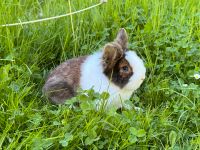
(92, 76)
(113, 69)
(63, 81)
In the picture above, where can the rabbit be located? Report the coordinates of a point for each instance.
(113, 69)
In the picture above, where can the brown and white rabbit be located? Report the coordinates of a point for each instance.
(114, 69)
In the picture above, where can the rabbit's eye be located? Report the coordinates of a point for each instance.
(125, 69)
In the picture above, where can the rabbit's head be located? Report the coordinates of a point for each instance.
(124, 68)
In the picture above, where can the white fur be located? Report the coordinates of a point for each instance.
(92, 76)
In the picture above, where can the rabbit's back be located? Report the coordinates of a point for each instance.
(63, 81)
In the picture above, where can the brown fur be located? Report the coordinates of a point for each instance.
(118, 75)
(124, 63)
(112, 53)
(114, 60)
(62, 83)
(122, 39)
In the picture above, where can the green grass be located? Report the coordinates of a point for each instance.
(166, 34)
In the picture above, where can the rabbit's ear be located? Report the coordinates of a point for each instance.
(111, 54)
(122, 39)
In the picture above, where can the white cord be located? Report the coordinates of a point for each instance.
(51, 18)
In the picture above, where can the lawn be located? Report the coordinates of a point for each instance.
(164, 33)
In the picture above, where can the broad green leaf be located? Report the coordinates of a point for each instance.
(65, 141)
(105, 95)
(133, 130)
(141, 133)
(132, 138)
